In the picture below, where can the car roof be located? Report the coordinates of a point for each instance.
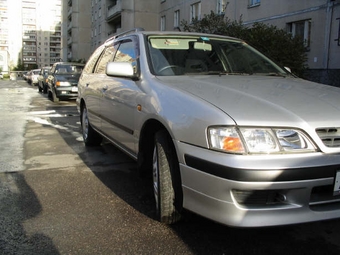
(137, 31)
(68, 63)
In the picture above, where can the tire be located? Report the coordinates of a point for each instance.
(44, 89)
(90, 136)
(54, 97)
(166, 180)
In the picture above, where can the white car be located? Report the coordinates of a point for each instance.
(34, 77)
(221, 129)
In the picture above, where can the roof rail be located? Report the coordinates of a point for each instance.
(125, 33)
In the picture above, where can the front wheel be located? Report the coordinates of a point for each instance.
(90, 136)
(166, 180)
(54, 97)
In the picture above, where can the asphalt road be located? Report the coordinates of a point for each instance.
(59, 197)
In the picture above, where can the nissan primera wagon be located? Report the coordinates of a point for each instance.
(221, 129)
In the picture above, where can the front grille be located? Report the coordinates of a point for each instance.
(329, 136)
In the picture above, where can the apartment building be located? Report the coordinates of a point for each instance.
(10, 34)
(41, 32)
(88, 23)
(48, 23)
(30, 32)
(110, 17)
(4, 36)
(76, 30)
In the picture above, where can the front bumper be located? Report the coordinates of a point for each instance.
(254, 191)
(69, 91)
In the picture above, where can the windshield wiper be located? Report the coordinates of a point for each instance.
(226, 73)
(276, 74)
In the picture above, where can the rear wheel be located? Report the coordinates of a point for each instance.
(166, 180)
(90, 136)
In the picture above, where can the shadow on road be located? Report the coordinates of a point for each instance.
(117, 172)
(19, 203)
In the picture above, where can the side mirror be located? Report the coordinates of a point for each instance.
(120, 69)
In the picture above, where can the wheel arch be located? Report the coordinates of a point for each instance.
(146, 140)
(145, 152)
(145, 146)
(81, 106)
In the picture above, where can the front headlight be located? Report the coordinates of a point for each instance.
(259, 140)
(62, 83)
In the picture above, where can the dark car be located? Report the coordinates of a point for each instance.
(42, 79)
(63, 79)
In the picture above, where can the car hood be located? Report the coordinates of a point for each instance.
(262, 100)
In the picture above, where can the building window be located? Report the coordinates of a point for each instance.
(221, 6)
(195, 11)
(301, 29)
(163, 23)
(176, 19)
(253, 3)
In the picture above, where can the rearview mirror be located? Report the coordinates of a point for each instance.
(202, 46)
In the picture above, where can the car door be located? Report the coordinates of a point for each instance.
(89, 87)
(119, 104)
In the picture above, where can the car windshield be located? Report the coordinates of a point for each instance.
(69, 69)
(185, 55)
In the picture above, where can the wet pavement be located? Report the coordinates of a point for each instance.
(59, 197)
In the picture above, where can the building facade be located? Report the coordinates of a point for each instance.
(110, 17)
(30, 31)
(76, 30)
(88, 23)
(316, 21)
(10, 34)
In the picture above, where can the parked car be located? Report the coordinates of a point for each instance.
(42, 79)
(29, 77)
(220, 129)
(34, 77)
(24, 75)
(63, 79)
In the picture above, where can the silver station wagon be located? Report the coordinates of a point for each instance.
(221, 129)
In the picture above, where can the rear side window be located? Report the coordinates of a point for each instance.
(93, 60)
(126, 53)
(106, 57)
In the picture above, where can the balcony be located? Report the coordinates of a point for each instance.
(114, 10)
(55, 39)
(69, 12)
(69, 26)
